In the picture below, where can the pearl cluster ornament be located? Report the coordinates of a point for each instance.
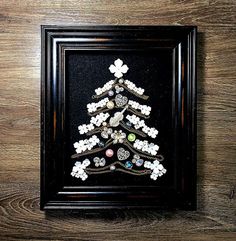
(145, 109)
(106, 132)
(99, 161)
(144, 146)
(92, 107)
(118, 89)
(79, 169)
(99, 119)
(105, 88)
(118, 136)
(137, 160)
(133, 87)
(86, 144)
(85, 128)
(138, 123)
(157, 169)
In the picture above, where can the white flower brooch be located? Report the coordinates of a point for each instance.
(118, 69)
(79, 169)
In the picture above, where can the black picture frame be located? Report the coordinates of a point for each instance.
(180, 41)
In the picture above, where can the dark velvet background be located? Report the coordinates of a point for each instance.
(86, 71)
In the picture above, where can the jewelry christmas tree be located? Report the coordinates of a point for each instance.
(117, 129)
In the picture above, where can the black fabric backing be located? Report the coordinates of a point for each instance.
(86, 71)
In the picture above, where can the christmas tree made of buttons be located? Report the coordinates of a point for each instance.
(116, 134)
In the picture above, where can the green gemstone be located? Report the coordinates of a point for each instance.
(131, 137)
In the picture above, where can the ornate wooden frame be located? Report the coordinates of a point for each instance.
(56, 41)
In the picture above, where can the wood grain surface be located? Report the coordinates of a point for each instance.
(20, 218)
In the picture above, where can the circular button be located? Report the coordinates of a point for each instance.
(110, 104)
(131, 137)
(109, 152)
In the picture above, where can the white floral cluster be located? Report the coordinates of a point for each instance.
(133, 87)
(118, 69)
(99, 119)
(86, 144)
(157, 169)
(138, 123)
(79, 169)
(92, 107)
(105, 88)
(85, 128)
(144, 146)
(145, 109)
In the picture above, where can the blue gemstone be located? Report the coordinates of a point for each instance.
(101, 144)
(139, 162)
(129, 124)
(128, 164)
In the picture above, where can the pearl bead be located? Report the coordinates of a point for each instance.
(104, 123)
(110, 104)
(110, 92)
(133, 160)
(131, 137)
(121, 81)
(112, 167)
(109, 152)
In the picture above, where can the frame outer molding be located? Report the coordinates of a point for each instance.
(54, 42)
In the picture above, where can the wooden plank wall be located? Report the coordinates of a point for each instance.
(20, 218)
